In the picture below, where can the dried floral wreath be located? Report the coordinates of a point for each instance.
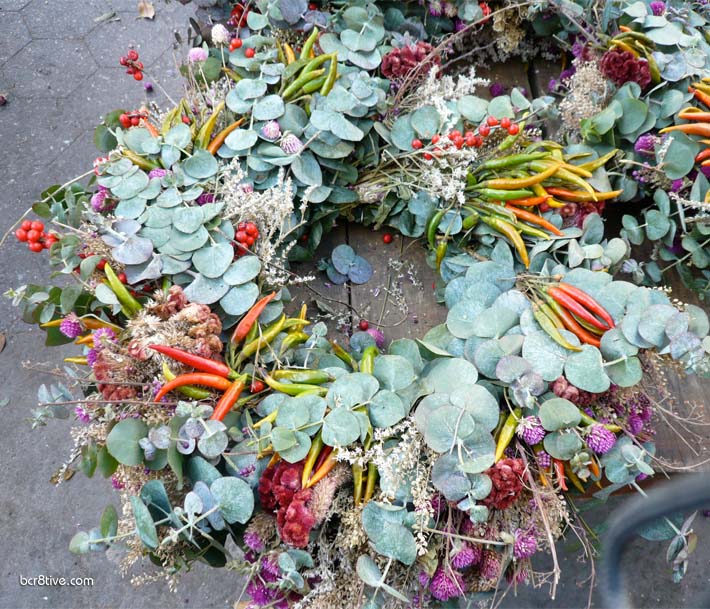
(238, 435)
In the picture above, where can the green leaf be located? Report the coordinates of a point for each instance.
(403, 133)
(394, 372)
(145, 527)
(244, 269)
(679, 158)
(79, 544)
(562, 444)
(384, 526)
(585, 370)
(426, 121)
(447, 477)
(545, 355)
(240, 299)
(109, 522)
(299, 450)
(213, 260)
(268, 108)
(368, 571)
(386, 409)
(206, 291)
(241, 139)
(635, 112)
(501, 107)
(446, 374)
(340, 428)
(188, 219)
(472, 108)
(198, 469)
(122, 441)
(235, 499)
(657, 224)
(559, 413)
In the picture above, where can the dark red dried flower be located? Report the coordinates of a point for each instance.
(507, 479)
(399, 62)
(621, 67)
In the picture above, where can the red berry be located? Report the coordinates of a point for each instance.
(514, 129)
(138, 76)
(470, 139)
(492, 121)
(478, 141)
(186, 120)
(21, 235)
(125, 121)
(312, 6)
(237, 42)
(132, 55)
(484, 130)
(35, 247)
(101, 265)
(363, 325)
(454, 134)
(242, 226)
(459, 142)
(123, 61)
(122, 277)
(139, 65)
(417, 144)
(256, 386)
(131, 70)
(250, 240)
(249, 53)
(387, 238)
(241, 236)
(33, 235)
(135, 121)
(26, 225)
(427, 156)
(505, 122)
(251, 229)
(38, 226)
(435, 139)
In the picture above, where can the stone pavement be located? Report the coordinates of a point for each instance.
(59, 70)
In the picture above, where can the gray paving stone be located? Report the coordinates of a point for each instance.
(13, 5)
(15, 35)
(49, 67)
(63, 18)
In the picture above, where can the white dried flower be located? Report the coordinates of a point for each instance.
(271, 130)
(220, 34)
(290, 144)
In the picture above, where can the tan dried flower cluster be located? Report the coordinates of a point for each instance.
(587, 94)
(509, 33)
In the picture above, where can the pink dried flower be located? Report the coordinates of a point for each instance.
(290, 144)
(525, 544)
(600, 439)
(466, 556)
(530, 430)
(196, 54)
(507, 479)
(446, 584)
(82, 415)
(621, 67)
(490, 565)
(271, 130)
(253, 541)
(399, 62)
(71, 326)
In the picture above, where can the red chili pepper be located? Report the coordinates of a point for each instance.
(243, 327)
(560, 472)
(529, 201)
(575, 307)
(231, 395)
(193, 378)
(702, 155)
(199, 363)
(532, 218)
(587, 301)
(324, 454)
(570, 322)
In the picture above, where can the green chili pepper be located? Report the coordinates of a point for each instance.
(332, 76)
(316, 62)
(343, 355)
(297, 84)
(600, 162)
(371, 481)
(432, 225)
(292, 340)
(507, 432)
(587, 420)
(551, 329)
(511, 160)
(311, 377)
(441, 252)
(563, 174)
(495, 209)
(358, 471)
(367, 361)
(261, 341)
(311, 458)
(294, 388)
(292, 69)
(513, 236)
(129, 305)
(308, 45)
(471, 219)
(573, 478)
(314, 85)
(504, 195)
(531, 231)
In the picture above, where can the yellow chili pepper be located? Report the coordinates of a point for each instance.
(513, 236)
(290, 55)
(519, 183)
(311, 458)
(308, 45)
(507, 432)
(332, 75)
(205, 132)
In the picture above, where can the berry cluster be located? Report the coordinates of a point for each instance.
(132, 65)
(235, 44)
(247, 234)
(131, 119)
(238, 16)
(468, 139)
(33, 234)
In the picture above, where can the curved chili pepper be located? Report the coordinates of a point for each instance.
(87, 339)
(326, 466)
(587, 420)
(560, 473)
(520, 183)
(500, 194)
(79, 360)
(432, 225)
(589, 302)
(511, 160)
(294, 388)
(574, 479)
(310, 377)
(594, 468)
(492, 208)
(218, 140)
(471, 219)
(581, 197)
(291, 340)
(296, 85)
(372, 474)
(129, 305)
(570, 323)
(529, 201)
(575, 307)
(289, 54)
(532, 218)
(205, 133)
(702, 129)
(694, 114)
(358, 480)
(191, 392)
(600, 162)
(261, 341)
(531, 231)
(332, 75)
(311, 458)
(507, 432)
(197, 362)
(230, 396)
(308, 45)
(702, 155)
(441, 250)
(550, 328)
(701, 96)
(246, 323)
(367, 361)
(193, 378)
(343, 355)
(509, 231)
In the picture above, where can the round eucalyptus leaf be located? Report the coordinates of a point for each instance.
(545, 356)
(239, 299)
(447, 374)
(201, 165)
(123, 441)
(386, 409)
(213, 441)
(241, 139)
(268, 108)
(562, 445)
(145, 527)
(213, 260)
(204, 290)
(340, 428)
(235, 499)
(585, 370)
(343, 257)
(188, 219)
(242, 270)
(394, 372)
(558, 413)
(448, 479)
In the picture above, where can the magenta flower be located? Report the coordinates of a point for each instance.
(446, 584)
(196, 54)
(530, 430)
(658, 8)
(525, 544)
(600, 439)
(71, 326)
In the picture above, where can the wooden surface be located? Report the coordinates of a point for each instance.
(400, 300)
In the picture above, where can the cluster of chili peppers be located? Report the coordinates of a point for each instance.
(561, 306)
(509, 192)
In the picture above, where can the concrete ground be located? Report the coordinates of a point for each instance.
(59, 70)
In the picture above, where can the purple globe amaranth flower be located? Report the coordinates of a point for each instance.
(634, 424)
(253, 541)
(158, 172)
(568, 73)
(258, 592)
(641, 477)
(423, 579)
(71, 326)
(705, 171)
(496, 89)
(525, 544)
(290, 144)
(490, 565)
(82, 415)
(600, 439)
(271, 130)
(105, 335)
(646, 144)
(466, 556)
(204, 198)
(459, 25)
(543, 459)
(98, 200)
(116, 483)
(92, 357)
(552, 85)
(658, 8)
(578, 49)
(446, 584)
(435, 8)
(530, 430)
(677, 185)
(196, 54)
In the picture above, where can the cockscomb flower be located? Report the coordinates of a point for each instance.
(525, 544)
(600, 439)
(399, 62)
(621, 67)
(446, 584)
(530, 430)
(507, 479)
(196, 54)
(290, 144)
(71, 326)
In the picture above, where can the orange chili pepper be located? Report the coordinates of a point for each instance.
(694, 114)
(585, 299)
(580, 196)
(594, 468)
(193, 378)
(151, 128)
(532, 218)
(230, 396)
(570, 323)
(625, 28)
(218, 139)
(529, 201)
(574, 306)
(560, 473)
(324, 469)
(243, 327)
(702, 129)
(702, 155)
(701, 96)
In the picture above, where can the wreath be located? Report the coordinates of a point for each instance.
(238, 434)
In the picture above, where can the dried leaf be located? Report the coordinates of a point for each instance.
(3, 340)
(107, 17)
(146, 10)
